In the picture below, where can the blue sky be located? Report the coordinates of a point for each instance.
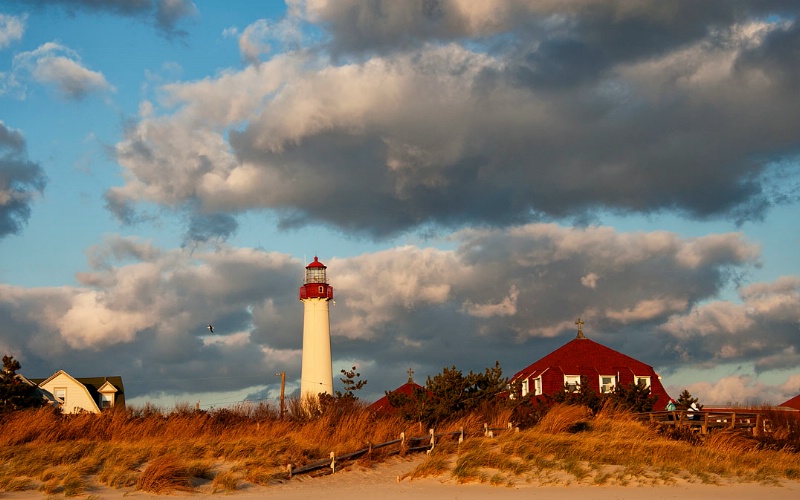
(476, 176)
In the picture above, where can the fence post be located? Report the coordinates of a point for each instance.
(461, 436)
(486, 429)
(733, 420)
(289, 470)
(433, 441)
(402, 441)
(759, 423)
(333, 463)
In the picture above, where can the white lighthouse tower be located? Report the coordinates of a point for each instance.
(316, 293)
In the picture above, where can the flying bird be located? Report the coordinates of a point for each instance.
(211, 328)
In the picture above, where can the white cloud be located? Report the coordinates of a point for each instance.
(60, 66)
(590, 280)
(737, 390)
(506, 307)
(11, 29)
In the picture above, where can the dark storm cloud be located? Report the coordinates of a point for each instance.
(206, 227)
(762, 329)
(508, 295)
(627, 107)
(166, 15)
(20, 180)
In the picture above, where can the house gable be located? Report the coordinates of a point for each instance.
(585, 357)
(69, 393)
(89, 392)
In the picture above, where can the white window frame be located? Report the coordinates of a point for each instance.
(646, 379)
(60, 390)
(537, 386)
(573, 381)
(524, 387)
(106, 397)
(609, 387)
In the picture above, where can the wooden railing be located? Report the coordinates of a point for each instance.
(705, 421)
(402, 445)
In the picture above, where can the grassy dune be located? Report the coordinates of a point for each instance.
(161, 452)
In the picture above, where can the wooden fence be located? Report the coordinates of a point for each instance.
(402, 445)
(705, 421)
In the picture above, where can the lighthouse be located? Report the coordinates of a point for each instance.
(315, 294)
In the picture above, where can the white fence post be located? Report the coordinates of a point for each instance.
(333, 463)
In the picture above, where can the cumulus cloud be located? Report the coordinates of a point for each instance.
(550, 111)
(762, 328)
(508, 295)
(165, 15)
(11, 29)
(20, 181)
(734, 390)
(265, 36)
(59, 66)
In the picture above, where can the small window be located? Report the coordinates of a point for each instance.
(321, 290)
(106, 400)
(606, 383)
(572, 383)
(61, 394)
(643, 381)
(524, 387)
(537, 386)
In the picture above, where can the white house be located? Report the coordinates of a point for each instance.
(76, 395)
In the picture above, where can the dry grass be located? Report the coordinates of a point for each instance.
(183, 450)
(164, 475)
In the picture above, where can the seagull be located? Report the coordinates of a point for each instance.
(210, 328)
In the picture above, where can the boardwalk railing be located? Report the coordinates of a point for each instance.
(705, 421)
(404, 444)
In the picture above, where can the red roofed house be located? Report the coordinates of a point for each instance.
(604, 368)
(382, 405)
(793, 403)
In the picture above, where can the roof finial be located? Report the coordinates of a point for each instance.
(410, 372)
(580, 329)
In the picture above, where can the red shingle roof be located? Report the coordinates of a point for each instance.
(382, 405)
(582, 356)
(792, 403)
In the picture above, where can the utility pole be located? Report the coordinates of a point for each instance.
(282, 375)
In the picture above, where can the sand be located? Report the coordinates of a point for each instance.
(381, 482)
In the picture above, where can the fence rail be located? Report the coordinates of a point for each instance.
(404, 444)
(705, 421)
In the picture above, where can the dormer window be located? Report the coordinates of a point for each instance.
(643, 381)
(106, 400)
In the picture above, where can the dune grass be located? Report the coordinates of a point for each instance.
(183, 451)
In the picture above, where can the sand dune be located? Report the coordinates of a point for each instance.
(382, 482)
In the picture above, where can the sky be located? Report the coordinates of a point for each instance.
(476, 176)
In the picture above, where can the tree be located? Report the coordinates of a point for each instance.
(15, 392)
(341, 402)
(634, 397)
(352, 383)
(450, 394)
(685, 400)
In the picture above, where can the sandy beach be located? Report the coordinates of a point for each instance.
(383, 481)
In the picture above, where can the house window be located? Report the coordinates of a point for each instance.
(524, 387)
(645, 381)
(321, 290)
(537, 386)
(61, 394)
(606, 383)
(106, 400)
(572, 383)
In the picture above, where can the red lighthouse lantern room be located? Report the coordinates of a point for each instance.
(316, 283)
